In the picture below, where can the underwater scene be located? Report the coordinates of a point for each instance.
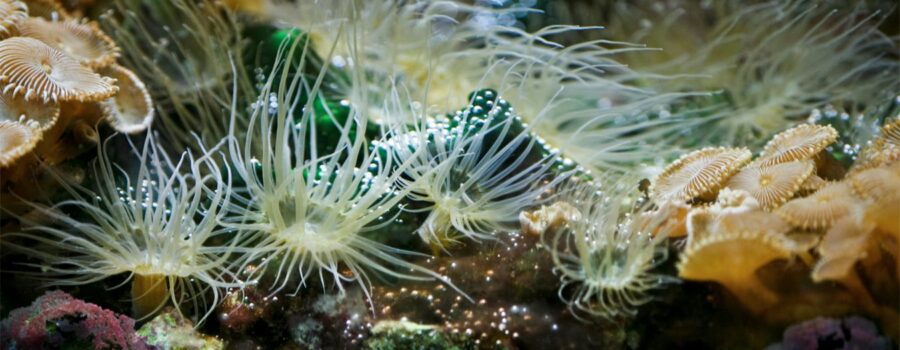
(459, 174)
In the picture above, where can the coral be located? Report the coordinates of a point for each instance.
(12, 12)
(547, 217)
(131, 110)
(884, 149)
(821, 209)
(772, 185)
(16, 141)
(737, 256)
(827, 333)
(388, 335)
(698, 174)
(170, 330)
(801, 142)
(56, 319)
(35, 114)
(38, 71)
(50, 10)
(83, 41)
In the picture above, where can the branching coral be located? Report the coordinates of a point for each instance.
(605, 256)
(157, 227)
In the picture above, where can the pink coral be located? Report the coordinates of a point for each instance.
(57, 314)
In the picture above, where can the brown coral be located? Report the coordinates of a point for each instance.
(16, 140)
(885, 149)
(12, 13)
(537, 221)
(85, 42)
(821, 209)
(798, 143)
(699, 174)
(131, 110)
(732, 259)
(813, 183)
(46, 9)
(35, 70)
(34, 114)
(772, 185)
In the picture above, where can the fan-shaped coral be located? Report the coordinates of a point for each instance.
(83, 41)
(131, 109)
(772, 185)
(699, 174)
(798, 143)
(157, 227)
(16, 140)
(35, 114)
(821, 209)
(37, 71)
(605, 257)
(12, 12)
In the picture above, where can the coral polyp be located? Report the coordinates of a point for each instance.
(155, 227)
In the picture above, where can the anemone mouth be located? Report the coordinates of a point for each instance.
(35, 114)
(699, 174)
(16, 140)
(37, 71)
(12, 13)
(772, 185)
(131, 110)
(798, 143)
(86, 42)
(821, 209)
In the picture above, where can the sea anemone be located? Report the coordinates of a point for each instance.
(772, 185)
(699, 174)
(190, 56)
(83, 41)
(131, 110)
(35, 114)
(764, 78)
(157, 227)
(576, 99)
(12, 12)
(801, 142)
(311, 212)
(37, 71)
(16, 140)
(821, 209)
(476, 169)
(605, 257)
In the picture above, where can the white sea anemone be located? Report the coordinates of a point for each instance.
(189, 54)
(475, 169)
(577, 98)
(773, 62)
(606, 255)
(159, 226)
(311, 212)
